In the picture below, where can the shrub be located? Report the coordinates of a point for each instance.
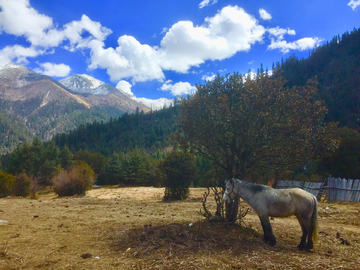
(179, 169)
(23, 185)
(75, 181)
(7, 182)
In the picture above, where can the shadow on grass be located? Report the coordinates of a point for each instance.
(186, 239)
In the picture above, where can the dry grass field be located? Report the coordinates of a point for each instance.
(131, 228)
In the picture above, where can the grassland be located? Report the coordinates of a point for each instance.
(132, 228)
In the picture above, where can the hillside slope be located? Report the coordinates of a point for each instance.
(337, 67)
(40, 106)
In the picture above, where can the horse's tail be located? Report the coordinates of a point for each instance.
(314, 220)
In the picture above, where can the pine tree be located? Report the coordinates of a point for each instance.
(50, 164)
(112, 173)
(66, 158)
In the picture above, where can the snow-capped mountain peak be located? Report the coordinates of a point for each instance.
(85, 84)
(94, 82)
(11, 66)
(153, 104)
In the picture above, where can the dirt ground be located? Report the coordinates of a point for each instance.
(131, 228)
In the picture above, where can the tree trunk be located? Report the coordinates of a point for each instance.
(232, 210)
(277, 176)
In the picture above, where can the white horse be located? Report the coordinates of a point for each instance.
(268, 202)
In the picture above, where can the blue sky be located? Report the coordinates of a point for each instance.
(162, 48)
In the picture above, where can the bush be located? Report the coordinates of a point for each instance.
(7, 182)
(179, 169)
(23, 185)
(75, 181)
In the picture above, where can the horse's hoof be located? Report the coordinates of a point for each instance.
(272, 243)
(300, 247)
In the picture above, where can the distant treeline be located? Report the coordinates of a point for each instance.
(149, 131)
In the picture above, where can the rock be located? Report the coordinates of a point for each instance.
(15, 236)
(86, 255)
(345, 242)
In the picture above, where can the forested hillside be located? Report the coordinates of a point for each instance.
(150, 130)
(337, 67)
(11, 133)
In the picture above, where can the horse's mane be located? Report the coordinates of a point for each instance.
(251, 186)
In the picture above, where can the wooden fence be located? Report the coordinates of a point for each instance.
(337, 189)
(344, 190)
(315, 188)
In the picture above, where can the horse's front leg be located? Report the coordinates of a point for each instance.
(268, 235)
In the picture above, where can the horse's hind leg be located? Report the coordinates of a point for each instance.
(307, 233)
(310, 244)
(304, 234)
(268, 235)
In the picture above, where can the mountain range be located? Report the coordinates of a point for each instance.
(85, 84)
(37, 105)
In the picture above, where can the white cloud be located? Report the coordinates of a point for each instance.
(18, 18)
(51, 69)
(183, 46)
(129, 59)
(354, 3)
(264, 14)
(280, 32)
(179, 88)
(228, 32)
(205, 3)
(125, 86)
(208, 77)
(17, 53)
(301, 44)
(278, 42)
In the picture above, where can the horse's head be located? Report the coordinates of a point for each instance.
(229, 194)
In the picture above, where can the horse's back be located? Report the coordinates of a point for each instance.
(300, 194)
(303, 200)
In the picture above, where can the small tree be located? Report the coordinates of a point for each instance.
(7, 182)
(137, 168)
(66, 158)
(95, 160)
(179, 170)
(112, 172)
(75, 181)
(23, 185)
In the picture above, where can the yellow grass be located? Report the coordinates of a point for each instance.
(131, 228)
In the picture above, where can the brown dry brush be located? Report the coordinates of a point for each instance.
(181, 240)
(220, 213)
